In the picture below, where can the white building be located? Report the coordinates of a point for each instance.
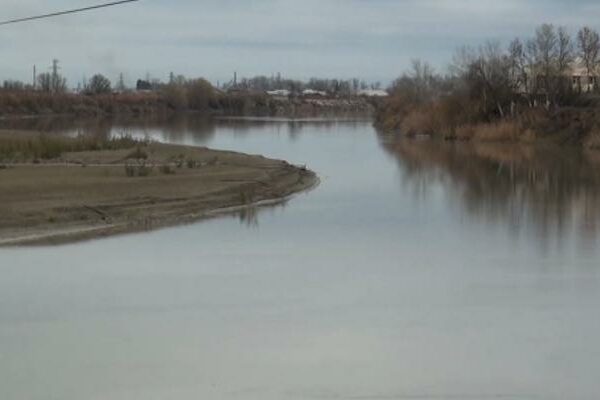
(373, 93)
(279, 93)
(583, 80)
(311, 92)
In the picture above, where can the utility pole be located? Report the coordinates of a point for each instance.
(34, 77)
(55, 69)
(121, 86)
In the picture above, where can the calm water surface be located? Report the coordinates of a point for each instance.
(414, 271)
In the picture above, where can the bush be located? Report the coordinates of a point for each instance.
(418, 122)
(129, 170)
(593, 140)
(48, 147)
(141, 170)
(167, 169)
(138, 154)
(99, 84)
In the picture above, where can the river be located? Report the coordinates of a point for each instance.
(414, 271)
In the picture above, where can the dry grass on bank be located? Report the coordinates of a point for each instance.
(501, 131)
(592, 141)
(33, 147)
(20, 103)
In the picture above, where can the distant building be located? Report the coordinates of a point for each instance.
(142, 85)
(373, 93)
(583, 81)
(279, 93)
(314, 93)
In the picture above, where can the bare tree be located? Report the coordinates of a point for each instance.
(550, 54)
(51, 83)
(423, 77)
(99, 84)
(418, 85)
(14, 86)
(546, 43)
(521, 71)
(490, 78)
(518, 61)
(588, 43)
(564, 61)
(565, 51)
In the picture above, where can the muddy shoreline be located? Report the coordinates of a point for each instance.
(88, 195)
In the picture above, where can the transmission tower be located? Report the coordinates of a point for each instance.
(55, 76)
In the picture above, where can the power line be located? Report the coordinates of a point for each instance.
(77, 10)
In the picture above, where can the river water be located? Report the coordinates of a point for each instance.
(414, 271)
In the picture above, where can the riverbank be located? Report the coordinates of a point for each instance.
(575, 126)
(89, 194)
(166, 103)
(297, 107)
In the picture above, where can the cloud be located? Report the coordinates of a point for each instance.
(371, 39)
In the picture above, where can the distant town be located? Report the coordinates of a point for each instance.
(275, 85)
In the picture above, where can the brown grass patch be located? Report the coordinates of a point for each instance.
(28, 147)
(592, 141)
(418, 122)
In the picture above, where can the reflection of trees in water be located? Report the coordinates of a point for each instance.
(294, 127)
(552, 189)
(193, 128)
(249, 216)
(177, 128)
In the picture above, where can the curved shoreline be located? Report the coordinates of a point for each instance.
(238, 182)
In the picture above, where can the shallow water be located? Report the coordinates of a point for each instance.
(414, 271)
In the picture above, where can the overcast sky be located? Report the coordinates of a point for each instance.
(369, 39)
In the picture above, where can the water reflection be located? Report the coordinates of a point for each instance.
(357, 290)
(551, 190)
(249, 217)
(174, 128)
(197, 129)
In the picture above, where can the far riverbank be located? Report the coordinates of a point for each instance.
(155, 104)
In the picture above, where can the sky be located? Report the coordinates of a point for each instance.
(374, 40)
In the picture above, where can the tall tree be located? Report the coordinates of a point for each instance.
(551, 51)
(51, 83)
(565, 51)
(489, 78)
(546, 42)
(588, 43)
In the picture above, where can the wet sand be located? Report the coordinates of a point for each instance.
(88, 195)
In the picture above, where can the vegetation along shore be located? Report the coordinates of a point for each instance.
(544, 88)
(259, 96)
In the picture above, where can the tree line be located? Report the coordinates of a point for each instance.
(342, 87)
(495, 82)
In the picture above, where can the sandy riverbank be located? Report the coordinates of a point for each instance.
(89, 194)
